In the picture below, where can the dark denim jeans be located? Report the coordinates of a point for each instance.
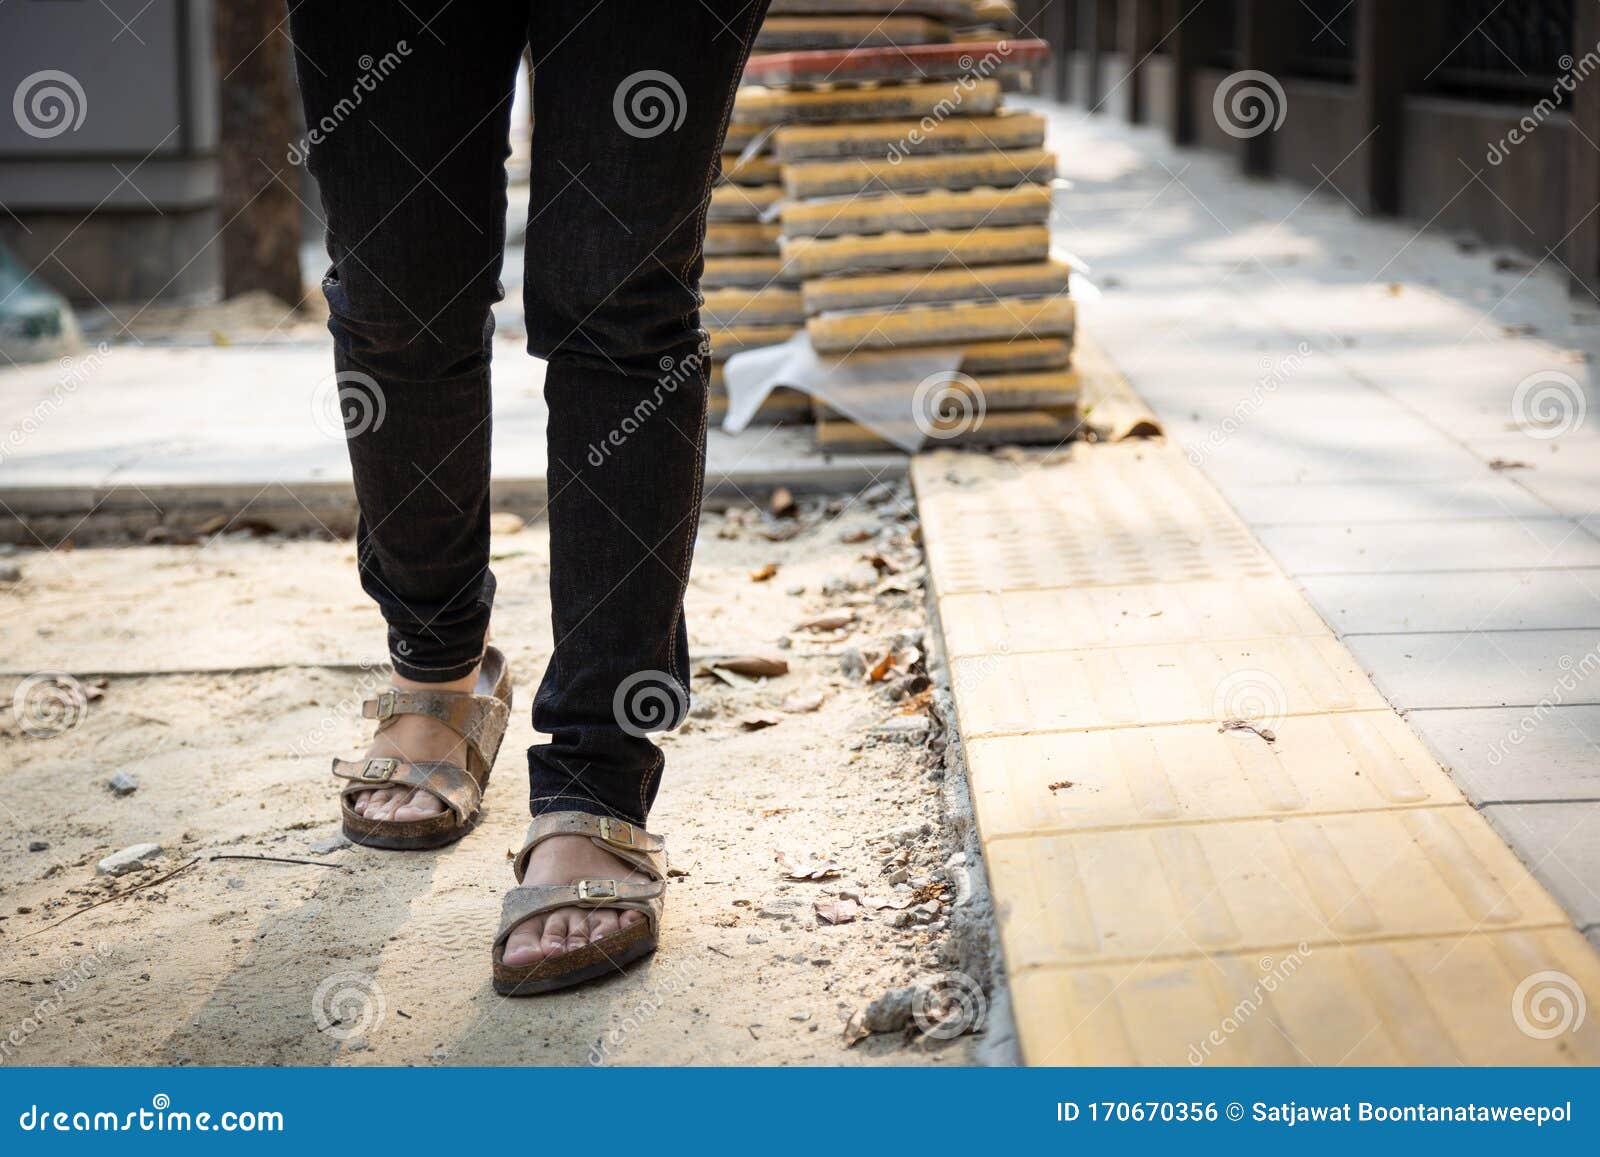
(407, 112)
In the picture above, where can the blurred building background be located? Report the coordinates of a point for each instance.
(1471, 116)
(144, 144)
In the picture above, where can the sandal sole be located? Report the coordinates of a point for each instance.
(424, 841)
(605, 957)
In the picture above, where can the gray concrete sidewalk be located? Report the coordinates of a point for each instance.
(1407, 423)
(134, 432)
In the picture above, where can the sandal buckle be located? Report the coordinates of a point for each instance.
(597, 889)
(378, 770)
(616, 832)
(385, 704)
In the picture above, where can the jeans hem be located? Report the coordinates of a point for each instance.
(434, 674)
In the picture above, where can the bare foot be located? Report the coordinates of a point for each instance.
(415, 739)
(565, 860)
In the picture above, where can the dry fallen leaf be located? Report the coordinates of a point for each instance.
(753, 666)
(879, 671)
(782, 503)
(1245, 725)
(837, 911)
(758, 720)
(828, 621)
(762, 573)
(805, 866)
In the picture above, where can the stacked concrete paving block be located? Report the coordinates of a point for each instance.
(910, 210)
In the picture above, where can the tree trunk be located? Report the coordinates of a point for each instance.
(260, 213)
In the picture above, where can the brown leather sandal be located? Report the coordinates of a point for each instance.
(613, 953)
(478, 716)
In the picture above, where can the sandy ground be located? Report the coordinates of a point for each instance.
(233, 669)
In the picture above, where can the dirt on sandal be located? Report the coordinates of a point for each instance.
(190, 696)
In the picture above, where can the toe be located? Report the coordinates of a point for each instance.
(524, 945)
(554, 940)
(421, 806)
(629, 917)
(601, 923)
(378, 805)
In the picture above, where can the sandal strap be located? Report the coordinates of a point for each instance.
(628, 842)
(478, 719)
(526, 901)
(454, 785)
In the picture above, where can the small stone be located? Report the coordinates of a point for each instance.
(236, 884)
(852, 665)
(123, 783)
(332, 844)
(902, 729)
(120, 863)
(38, 846)
(10, 573)
(356, 1044)
(891, 1012)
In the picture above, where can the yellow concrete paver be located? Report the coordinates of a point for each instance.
(1437, 1001)
(1137, 894)
(1313, 890)
(1060, 619)
(1258, 679)
(1074, 781)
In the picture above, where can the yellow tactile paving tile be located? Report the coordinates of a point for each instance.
(760, 105)
(1447, 1001)
(999, 169)
(983, 283)
(1023, 550)
(1026, 785)
(1140, 894)
(916, 212)
(1077, 617)
(921, 325)
(1006, 129)
(1143, 686)
(933, 249)
(742, 202)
